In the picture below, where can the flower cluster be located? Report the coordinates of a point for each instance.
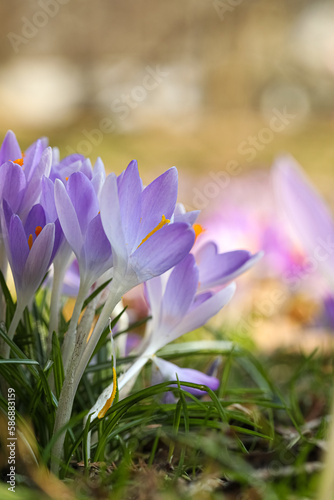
(53, 210)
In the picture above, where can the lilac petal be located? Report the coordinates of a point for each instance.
(63, 171)
(180, 290)
(188, 217)
(36, 217)
(154, 293)
(19, 248)
(12, 184)
(48, 199)
(163, 250)
(72, 280)
(129, 193)
(10, 149)
(97, 249)
(34, 185)
(218, 269)
(98, 168)
(169, 371)
(200, 298)
(112, 222)
(38, 260)
(58, 240)
(68, 218)
(83, 198)
(198, 316)
(181, 215)
(308, 215)
(158, 199)
(87, 169)
(33, 156)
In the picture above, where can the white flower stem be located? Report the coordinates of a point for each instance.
(114, 297)
(77, 363)
(58, 279)
(70, 337)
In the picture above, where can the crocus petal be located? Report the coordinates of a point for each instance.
(129, 193)
(83, 199)
(68, 217)
(34, 184)
(180, 291)
(97, 250)
(33, 156)
(18, 248)
(10, 149)
(198, 316)
(218, 269)
(158, 199)
(112, 221)
(38, 261)
(48, 199)
(170, 371)
(163, 250)
(12, 184)
(153, 293)
(36, 217)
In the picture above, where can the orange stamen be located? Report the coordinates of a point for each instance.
(66, 178)
(198, 230)
(30, 241)
(109, 402)
(161, 224)
(37, 232)
(19, 161)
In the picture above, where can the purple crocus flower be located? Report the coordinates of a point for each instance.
(307, 214)
(145, 242)
(176, 309)
(30, 248)
(63, 169)
(136, 222)
(165, 370)
(21, 174)
(78, 210)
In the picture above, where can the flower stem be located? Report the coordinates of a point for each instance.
(70, 337)
(58, 278)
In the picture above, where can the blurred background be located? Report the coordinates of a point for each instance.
(218, 88)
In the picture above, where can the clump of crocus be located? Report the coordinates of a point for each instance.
(120, 233)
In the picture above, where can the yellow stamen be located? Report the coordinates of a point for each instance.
(66, 178)
(198, 230)
(37, 232)
(161, 224)
(109, 402)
